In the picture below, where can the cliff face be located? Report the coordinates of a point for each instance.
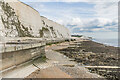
(55, 30)
(20, 20)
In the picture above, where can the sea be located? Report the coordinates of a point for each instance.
(109, 42)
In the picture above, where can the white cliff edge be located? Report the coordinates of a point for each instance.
(20, 20)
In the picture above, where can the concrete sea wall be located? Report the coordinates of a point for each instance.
(14, 58)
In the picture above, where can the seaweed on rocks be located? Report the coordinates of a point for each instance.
(91, 53)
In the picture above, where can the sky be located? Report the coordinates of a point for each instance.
(94, 18)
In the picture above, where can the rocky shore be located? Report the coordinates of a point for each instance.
(62, 66)
(90, 53)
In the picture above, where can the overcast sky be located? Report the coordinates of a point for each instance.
(98, 19)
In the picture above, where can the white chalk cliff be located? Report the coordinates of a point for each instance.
(20, 20)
